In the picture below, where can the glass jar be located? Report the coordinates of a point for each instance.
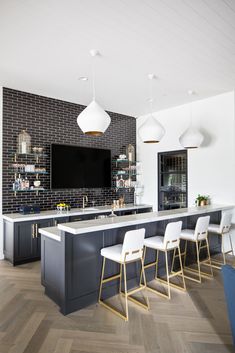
(23, 143)
(130, 153)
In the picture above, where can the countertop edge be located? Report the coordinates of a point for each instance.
(57, 214)
(143, 219)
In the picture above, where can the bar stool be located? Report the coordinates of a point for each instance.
(197, 236)
(222, 229)
(130, 251)
(169, 242)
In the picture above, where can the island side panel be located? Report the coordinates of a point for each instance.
(82, 269)
(53, 269)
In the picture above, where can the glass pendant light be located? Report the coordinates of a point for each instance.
(191, 138)
(93, 120)
(151, 131)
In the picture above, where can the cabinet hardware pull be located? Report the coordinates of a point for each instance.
(33, 231)
(55, 222)
(36, 225)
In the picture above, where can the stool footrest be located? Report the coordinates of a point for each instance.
(114, 310)
(150, 264)
(135, 300)
(130, 292)
(203, 247)
(203, 274)
(158, 292)
(172, 284)
(108, 279)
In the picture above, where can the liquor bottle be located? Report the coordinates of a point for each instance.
(121, 183)
(26, 183)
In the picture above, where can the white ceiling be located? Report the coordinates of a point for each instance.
(188, 44)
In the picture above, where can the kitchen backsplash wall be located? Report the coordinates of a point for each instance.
(48, 121)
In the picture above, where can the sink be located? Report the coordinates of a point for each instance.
(89, 209)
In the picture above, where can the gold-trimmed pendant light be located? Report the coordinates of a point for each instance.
(151, 131)
(93, 120)
(191, 138)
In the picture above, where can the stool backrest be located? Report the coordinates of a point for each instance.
(133, 244)
(225, 223)
(202, 227)
(172, 234)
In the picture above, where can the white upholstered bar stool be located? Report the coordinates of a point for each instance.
(130, 251)
(198, 236)
(222, 229)
(170, 241)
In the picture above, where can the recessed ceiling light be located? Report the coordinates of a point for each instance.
(83, 78)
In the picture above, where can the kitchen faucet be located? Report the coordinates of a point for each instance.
(84, 201)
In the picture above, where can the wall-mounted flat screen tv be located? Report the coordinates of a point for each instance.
(75, 167)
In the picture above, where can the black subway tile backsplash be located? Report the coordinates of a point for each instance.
(48, 121)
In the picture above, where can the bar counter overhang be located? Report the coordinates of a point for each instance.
(70, 254)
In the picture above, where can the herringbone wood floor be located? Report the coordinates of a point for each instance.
(191, 322)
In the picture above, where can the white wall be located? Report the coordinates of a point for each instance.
(1, 225)
(211, 168)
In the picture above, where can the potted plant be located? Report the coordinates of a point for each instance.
(202, 200)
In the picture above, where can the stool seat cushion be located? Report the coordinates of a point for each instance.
(187, 234)
(113, 253)
(156, 242)
(214, 228)
(116, 254)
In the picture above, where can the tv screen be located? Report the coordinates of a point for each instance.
(79, 167)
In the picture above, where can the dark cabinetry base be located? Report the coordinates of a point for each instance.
(71, 268)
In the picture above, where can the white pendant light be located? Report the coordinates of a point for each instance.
(151, 131)
(93, 120)
(191, 138)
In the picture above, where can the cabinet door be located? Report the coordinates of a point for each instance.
(24, 240)
(37, 243)
(59, 220)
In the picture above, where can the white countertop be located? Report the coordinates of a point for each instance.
(17, 217)
(129, 220)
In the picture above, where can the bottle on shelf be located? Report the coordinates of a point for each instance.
(26, 183)
(121, 182)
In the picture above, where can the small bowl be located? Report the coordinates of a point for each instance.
(122, 156)
(37, 183)
(40, 149)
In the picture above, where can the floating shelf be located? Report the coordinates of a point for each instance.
(30, 190)
(41, 155)
(19, 172)
(124, 161)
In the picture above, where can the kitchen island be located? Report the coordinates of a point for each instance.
(71, 260)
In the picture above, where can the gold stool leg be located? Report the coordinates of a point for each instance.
(125, 288)
(101, 280)
(185, 251)
(167, 276)
(181, 268)
(223, 252)
(156, 267)
(145, 282)
(198, 262)
(173, 261)
(142, 268)
(120, 282)
(209, 256)
(231, 244)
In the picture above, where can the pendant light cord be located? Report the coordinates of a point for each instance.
(93, 77)
(151, 95)
(191, 114)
